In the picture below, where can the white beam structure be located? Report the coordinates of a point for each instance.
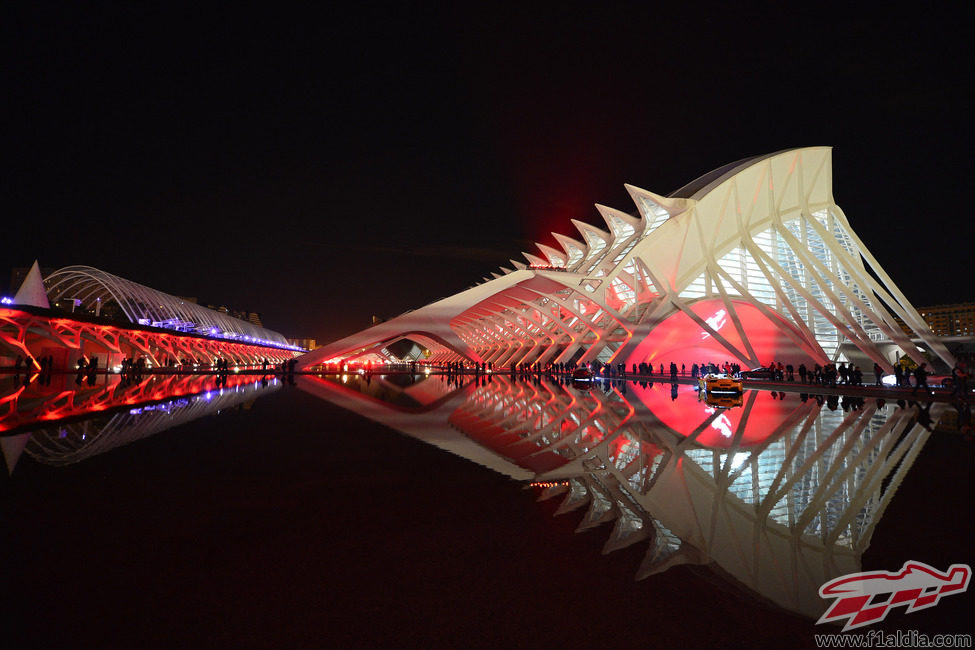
(93, 290)
(751, 263)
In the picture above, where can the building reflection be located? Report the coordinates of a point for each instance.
(72, 423)
(779, 493)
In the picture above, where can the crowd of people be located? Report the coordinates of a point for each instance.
(130, 368)
(87, 371)
(44, 367)
(830, 374)
(913, 376)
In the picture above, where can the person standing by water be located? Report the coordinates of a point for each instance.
(92, 371)
(921, 379)
(959, 380)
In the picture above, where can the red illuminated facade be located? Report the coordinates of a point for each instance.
(34, 333)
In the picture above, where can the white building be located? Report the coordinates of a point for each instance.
(751, 263)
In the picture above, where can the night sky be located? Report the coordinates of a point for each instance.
(322, 168)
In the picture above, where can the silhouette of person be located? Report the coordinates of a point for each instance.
(921, 379)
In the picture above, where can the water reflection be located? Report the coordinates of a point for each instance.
(777, 492)
(69, 423)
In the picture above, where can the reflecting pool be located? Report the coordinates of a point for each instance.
(268, 513)
(781, 494)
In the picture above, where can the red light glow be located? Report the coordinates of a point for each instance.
(686, 414)
(682, 340)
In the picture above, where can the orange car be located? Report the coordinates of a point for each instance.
(719, 384)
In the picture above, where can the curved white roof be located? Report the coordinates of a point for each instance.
(147, 306)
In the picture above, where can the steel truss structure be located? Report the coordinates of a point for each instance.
(93, 290)
(752, 263)
(33, 335)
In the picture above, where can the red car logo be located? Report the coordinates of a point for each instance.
(916, 585)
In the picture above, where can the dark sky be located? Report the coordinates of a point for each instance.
(321, 168)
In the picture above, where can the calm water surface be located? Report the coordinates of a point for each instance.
(398, 511)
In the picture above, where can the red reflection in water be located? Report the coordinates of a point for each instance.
(539, 427)
(32, 404)
(765, 414)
